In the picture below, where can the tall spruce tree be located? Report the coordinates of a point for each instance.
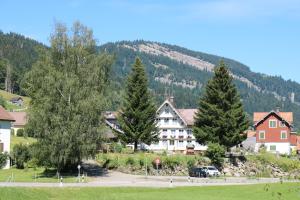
(67, 87)
(138, 113)
(220, 118)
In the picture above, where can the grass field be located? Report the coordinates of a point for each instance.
(286, 191)
(36, 175)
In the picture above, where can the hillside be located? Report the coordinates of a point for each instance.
(184, 73)
(20, 53)
(171, 69)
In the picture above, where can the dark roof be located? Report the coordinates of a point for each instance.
(5, 116)
(16, 99)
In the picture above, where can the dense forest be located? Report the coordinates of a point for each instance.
(166, 76)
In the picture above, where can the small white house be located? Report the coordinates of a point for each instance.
(5, 129)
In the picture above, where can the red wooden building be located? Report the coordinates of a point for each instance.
(274, 131)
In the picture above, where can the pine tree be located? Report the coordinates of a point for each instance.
(220, 118)
(138, 113)
(67, 87)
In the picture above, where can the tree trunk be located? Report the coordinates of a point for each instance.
(135, 146)
(8, 79)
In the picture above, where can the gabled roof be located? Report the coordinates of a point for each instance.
(20, 118)
(5, 116)
(287, 116)
(284, 116)
(175, 110)
(188, 115)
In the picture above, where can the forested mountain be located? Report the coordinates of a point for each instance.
(172, 70)
(17, 54)
(183, 73)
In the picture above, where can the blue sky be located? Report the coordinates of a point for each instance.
(263, 34)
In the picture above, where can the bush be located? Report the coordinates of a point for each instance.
(215, 152)
(116, 147)
(3, 159)
(20, 155)
(20, 132)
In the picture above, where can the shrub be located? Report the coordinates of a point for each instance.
(20, 155)
(20, 132)
(171, 162)
(3, 159)
(215, 152)
(130, 161)
(116, 147)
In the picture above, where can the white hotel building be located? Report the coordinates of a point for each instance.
(175, 129)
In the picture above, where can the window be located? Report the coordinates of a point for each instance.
(273, 123)
(283, 135)
(272, 147)
(282, 124)
(167, 110)
(180, 143)
(180, 132)
(171, 142)
(173, 131)
(166, 121)
(262, 135)
(174, 120)
(189, 131)
(1, 147)
(189, 141)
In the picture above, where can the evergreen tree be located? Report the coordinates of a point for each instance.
(67, 87)
(138, 113)
(220, 117)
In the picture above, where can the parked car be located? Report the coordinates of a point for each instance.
(197, 172)
(211, 171)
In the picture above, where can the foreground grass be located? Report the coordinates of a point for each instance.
(18, 140)
(288, 191)
(35, 175)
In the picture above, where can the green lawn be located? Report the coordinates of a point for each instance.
(35, 175)
(286, 191)
(7, 96)
(17, 140)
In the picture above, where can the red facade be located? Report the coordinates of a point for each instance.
(280, 133)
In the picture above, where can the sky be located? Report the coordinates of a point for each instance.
(262, 34)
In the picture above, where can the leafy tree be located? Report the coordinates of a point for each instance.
(3, 159)
(67, 87)
(20, 155)
(220, 117)
(20, 132)
(137, 116)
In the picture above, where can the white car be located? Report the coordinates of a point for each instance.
(212, 171)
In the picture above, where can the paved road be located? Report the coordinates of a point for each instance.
(117, 179)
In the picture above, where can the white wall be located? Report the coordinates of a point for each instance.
(5, 137)
(173, 129)
(281, 147)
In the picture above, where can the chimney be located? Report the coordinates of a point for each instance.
(171, 99)
(277, 109)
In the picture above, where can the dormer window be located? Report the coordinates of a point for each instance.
(273, 123)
